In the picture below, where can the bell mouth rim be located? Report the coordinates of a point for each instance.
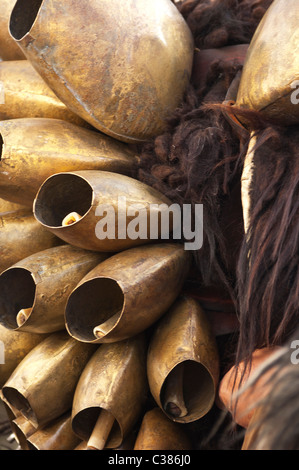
(40, 205)
(16, 399)
(16, 33)
(80, 334)
(77, 428)
(209, 386)
(10, 318)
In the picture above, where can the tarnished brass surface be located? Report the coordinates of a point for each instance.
(122, 66)
(42, 386)
(57, 435)
(114, 380)
(96, 196)
(22, 429)
(26, 95)
(42, 282)
(35, 148)
(9, 50)
(272, 65)
(183, 336)
(21, 236)
(127, 293)
(7, 206)
(16, 346)
(157, 432)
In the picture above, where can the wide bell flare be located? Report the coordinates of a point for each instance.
(34, 291)
(33, 149)
(42, 386)
(111, 393)
(127, 293)
(113, 212)
(183, 362)
(122, 66)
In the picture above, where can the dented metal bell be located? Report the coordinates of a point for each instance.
(21, 236)
(157, 432)
(42, 386)
(26, 95)
(111, 393)
(7, 206)
(183, 362)
(32, 149)
(34, 291)
(113, 211)
(127, 293)
(14, 346)
(270, 78)
(123, 69)
(57, 435)
(9, 50)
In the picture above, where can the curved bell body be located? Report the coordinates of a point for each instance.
(9, 50)
(33, 149)
(26, 95)
(42, 386)
(124, 66)
(21, 236)
(22, 429)
(112, 384)
(35, 290)
(183, 363)
(14, 346)
(157, 432)
(127, 293)
(7, 206)
(57, 435)
(116, 211)
(270, 78)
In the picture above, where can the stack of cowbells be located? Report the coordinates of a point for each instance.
(127, 341)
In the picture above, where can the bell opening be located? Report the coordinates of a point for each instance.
(60, 197)
(84, 422)
(18, 401)
(23, 16)
(197, 392)
(96, 304)
(17, 289)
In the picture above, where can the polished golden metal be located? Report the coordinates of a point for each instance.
(113, 200)
(9, 50)
(35, 148)
(123, 67)
(157, 432)
(113, 382)
(16, 345)
(127, 293)
(183, 340)
(21, 236)
(271, 70)
(57, 435)
(34, 291)
(26, 95)
(43, 384)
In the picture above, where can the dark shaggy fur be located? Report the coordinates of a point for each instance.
(268, 267)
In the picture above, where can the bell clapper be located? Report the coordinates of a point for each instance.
(71, 219)
(174, 403)
(101, 330)
(23, 316)
(101, 431)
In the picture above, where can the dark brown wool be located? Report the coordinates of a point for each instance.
(268, 267)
